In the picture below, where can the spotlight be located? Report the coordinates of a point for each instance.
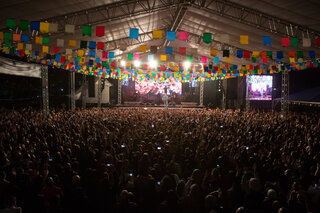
(136, 63)
(153, 63)
(186, 64)
(123, 63)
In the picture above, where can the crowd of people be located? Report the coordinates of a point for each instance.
(159, 160)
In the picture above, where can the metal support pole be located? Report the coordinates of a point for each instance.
(45, 90)
(72, 90)
(224, 93)
(247, 96)
(241, 90)
(99, 91)
(119, 91)
(201, 93)
(84, 91)
(285, 92)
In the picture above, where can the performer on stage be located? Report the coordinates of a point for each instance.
(165, 100)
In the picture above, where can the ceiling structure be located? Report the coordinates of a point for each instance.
(274, 18)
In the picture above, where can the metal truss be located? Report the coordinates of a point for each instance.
(119, 92)
(241, 92)
(112, 12)
(254, 18)
(72, 90)
(285, 92)
(45, 90)
(99, 91)
(84, 89)
(201, 93)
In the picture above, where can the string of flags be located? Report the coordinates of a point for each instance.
(92, 58)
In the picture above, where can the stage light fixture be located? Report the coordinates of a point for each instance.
(136, 63)
(153, 64)
(186, 64)
(123, 63)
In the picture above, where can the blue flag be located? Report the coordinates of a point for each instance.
(239, 53)
(171, 35)
(35, 25)
(24, 38)
(58, 58)
(279, 54)
(216, 60)
(92, 45)
(134, 33)
(169, 50)
(92, 53)
(266, 40)
(150, 57)
(312, 54)
(111, 54)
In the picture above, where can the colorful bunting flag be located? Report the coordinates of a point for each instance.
(306, 42)
(130, 56)
(244, 39)
(60, 42)
(207, 38)
(16, 37)
(72, 43)
(246, 54)
(216, 60)
(183, 35)
(266, 40)
(80, 53)
(285, 41)
(294, 42)
(20, 46)
(100, 31)
(263, 54)
(92, 53)
(291, 54)
(213, 52)
(318, 42)
(136, 56)
(92, 45)
(204, 59)
(255, 54)
(279, 54)
(111, 54)
(150, 57)
(44, 27)
(169, 50)
(38, 39)
(45, 40)
(29, 47)
(312, 54)
(182, 50)
(171, 35)
(55, 49)
(11, 23)
(299, 54)
(134, 33)
(84, 44)
(24, 25)
(228, 59)
(45, 49)
(157, 34)
(163, 58)
(24, 38)
(143, 48)
(225, 53)
(53, 27)
(100, 46)
(35, 25)
(239, 53)
(86, 30)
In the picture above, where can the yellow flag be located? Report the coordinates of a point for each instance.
(20, 46)
(244, 39)
(255, 54)
(38, 40)
(176, 68)
(27, 52)
(44, 27)
(157, 34)
(82, 60)
(163, 58)
(73, 43)
(292, 60)
(228, 59)
(213, 53)
(143, 48)
(80, 53)
(45, 49)
(170, 64)
(6, 50)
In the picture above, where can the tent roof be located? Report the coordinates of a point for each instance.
(275, 18)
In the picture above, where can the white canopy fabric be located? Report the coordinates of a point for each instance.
(12, 67)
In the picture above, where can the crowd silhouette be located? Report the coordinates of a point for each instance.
(159, 160)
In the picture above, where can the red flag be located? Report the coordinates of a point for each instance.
(56, 49)
(318, 42)
(104, 54)
(100, 46)
(291, 54)
(182, 50)
(62, 59)
(246, 54)
(285, 41)
(100, 31)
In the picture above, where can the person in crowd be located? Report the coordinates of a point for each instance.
(155, 160)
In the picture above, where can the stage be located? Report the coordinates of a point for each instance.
(150, 105)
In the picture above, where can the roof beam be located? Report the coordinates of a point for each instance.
(254, 18)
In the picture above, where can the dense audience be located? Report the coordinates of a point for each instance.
(157, 160)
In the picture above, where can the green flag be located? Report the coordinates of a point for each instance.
(8, 44)
(130, 56)
(189, 58)
(24, 25)
(299, 54)
(86, 30)
(269, 54)
(45, 40)
(254, 60)
(8, 36)
(11, 23)
(294, 42)
(207, 38)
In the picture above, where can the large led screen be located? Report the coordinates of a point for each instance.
(259, 87)
(156, 88)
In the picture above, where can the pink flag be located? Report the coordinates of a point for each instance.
(183, 35)
(136, 56)
(204, 59)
